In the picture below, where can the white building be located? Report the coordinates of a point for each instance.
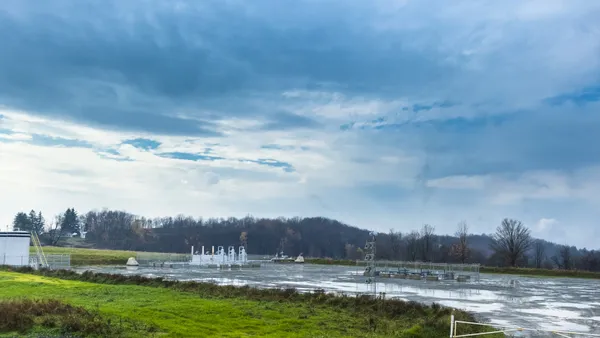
(14, 248)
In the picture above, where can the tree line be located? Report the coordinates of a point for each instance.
(510, 245)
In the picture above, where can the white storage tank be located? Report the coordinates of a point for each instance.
(14, 248)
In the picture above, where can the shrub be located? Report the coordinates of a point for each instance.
(22, 315)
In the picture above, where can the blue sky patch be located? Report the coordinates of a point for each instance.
(273, 163)
(189, 156)
(587, 95)
(50, 141)
(277, 147)
(143, 143)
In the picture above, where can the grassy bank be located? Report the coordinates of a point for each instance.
(135, 306)
(541, 272)
(83, 256)
(80, 256)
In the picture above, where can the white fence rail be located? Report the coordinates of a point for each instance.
(512, 329)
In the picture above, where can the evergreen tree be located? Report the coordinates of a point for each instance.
(22, 222)
(29, 222)
(36, 222)
(41, 223)
(70, 222)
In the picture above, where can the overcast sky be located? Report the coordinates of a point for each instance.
(381, 114)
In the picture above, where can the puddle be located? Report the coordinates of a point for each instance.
(537, 303)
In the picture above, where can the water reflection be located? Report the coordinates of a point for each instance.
(556, 303)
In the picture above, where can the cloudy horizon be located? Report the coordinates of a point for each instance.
(380, 114)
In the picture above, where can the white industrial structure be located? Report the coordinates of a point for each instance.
(221, 257)
(14, 248)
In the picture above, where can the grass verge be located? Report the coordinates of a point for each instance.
(541, 272)
(187, 309)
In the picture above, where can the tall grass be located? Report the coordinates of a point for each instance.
(21, 315)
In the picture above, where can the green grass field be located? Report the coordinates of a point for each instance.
(118, 306)
(80, 256)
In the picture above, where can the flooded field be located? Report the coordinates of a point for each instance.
(545, 303)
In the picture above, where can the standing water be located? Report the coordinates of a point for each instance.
(566, 304)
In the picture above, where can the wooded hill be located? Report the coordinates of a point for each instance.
(312, 236)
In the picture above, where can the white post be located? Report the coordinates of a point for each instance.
(451, 325)
(192, 250)
(202, 251)
(213, 250)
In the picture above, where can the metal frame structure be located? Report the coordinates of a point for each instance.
(53, 261)
(370, 269)
(41, 258)
(445, 270)
(508, 329)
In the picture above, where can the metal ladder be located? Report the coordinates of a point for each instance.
(38, 250)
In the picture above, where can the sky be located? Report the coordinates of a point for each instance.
(381, 114)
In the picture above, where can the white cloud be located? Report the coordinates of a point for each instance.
(368, 66)
(329, 175)
(545, 223)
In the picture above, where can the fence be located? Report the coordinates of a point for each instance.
(153, 258)
(54, 261)
(463, 272)
(59, 261)
(512, 329)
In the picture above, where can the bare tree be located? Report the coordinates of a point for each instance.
(539, 253)
(565, 255)
(511, 240)
(461, 249)
(427, 241)
(55, 232)
(395, 243)
(412, 245)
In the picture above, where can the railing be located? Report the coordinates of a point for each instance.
(58, 261)
(42, 261)
(33, 260)
(509, 329)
